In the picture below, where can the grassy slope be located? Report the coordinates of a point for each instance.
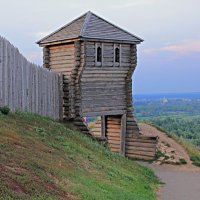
(43, 159)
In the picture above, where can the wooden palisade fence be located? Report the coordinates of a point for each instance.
(27, 87)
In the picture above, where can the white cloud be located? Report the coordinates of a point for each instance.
(135, 3)
(41, 34)
(184, 47)
(34, 57)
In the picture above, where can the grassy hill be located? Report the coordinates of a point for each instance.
(44, 159)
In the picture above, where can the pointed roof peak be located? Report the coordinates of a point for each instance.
(90, 26)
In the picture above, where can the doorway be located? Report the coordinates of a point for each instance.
(113, 129)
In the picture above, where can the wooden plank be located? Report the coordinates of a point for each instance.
(112, 123)
(113, 138)
(140, 140)
(60, 55)
(139, 144)
(140, 157)
(115, 150)
(137, 152)
(99, 113)
(114, 145)
(122, 135)
(58, 47)
(103, 126)
(148, 149)
(103, 109)
(113, 134)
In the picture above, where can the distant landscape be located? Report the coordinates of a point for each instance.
(175, 113)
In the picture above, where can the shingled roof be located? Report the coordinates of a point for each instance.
(90, 26)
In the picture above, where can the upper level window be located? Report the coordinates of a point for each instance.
(117, 55)
(99, 54)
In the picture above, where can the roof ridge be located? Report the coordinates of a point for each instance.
(85, 27)
(62, 28)
(117, 26)
(85, 23)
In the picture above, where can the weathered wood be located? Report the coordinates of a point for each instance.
(102, 109)
(123, 132)
(28, 87)
(102, 88)
(103, 126)
(113, 133)
(139, 144)
(137, 148)
(140, 152)
(140, 157)
(141, 140)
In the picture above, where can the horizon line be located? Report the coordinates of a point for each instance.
(164, 93)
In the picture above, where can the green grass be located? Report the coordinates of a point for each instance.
(41, 159)
(193, 151)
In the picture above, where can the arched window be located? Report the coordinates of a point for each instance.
(117, 54)
(99, 54)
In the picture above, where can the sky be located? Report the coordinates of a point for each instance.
(168, 59)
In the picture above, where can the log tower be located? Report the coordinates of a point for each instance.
(97, 60)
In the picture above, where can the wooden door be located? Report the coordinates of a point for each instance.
(113, 132)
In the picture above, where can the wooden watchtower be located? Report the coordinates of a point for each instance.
(97, 60)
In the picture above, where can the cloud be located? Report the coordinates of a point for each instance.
(34, 57)
(41, 34)
(184, 47)
(135, 3)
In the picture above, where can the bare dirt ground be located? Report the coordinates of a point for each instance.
(181, 182)
(171, 149)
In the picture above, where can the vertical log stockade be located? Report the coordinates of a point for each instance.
(97, 60)
(25, 86)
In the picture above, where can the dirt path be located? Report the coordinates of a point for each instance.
(181, 182)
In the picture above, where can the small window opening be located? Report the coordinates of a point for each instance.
(99, 54)
(117, 54)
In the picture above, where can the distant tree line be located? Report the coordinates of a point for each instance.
(176, 116)
(186, 128)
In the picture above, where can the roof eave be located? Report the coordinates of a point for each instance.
(112, 40)
(49, 43)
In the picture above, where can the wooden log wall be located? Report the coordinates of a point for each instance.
(96, 129)
(132, 129)
(75, 84)
(104, 88)
(131, 125)
(136, 146)
(27, 87)
(61, 59)
(140, 147)
(103, 84)
(104, 81)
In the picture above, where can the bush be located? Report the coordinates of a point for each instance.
(195, 160)
(4, 110)
(159, 154)
(182, 161)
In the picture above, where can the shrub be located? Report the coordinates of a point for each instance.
(159, 154)
(182, 161)
(4, 110)
(195, 160)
